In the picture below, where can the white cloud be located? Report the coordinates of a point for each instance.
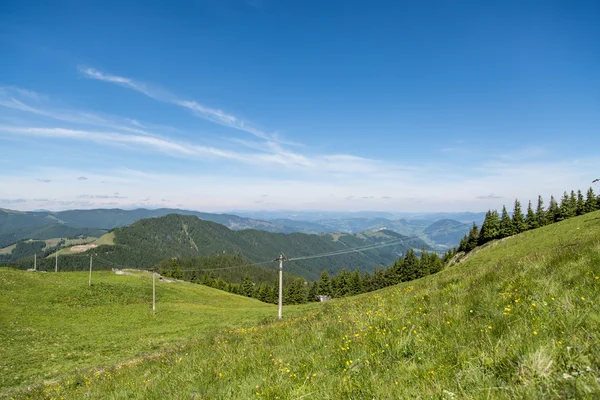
(208, 113)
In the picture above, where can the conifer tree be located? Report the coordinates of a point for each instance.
(580, 207)
(530, 218)
(506, 228)
(473, 237)
(312, 292)
(409, 266)
(356, 283)
(553, 213)
(518, 222)
(247, 287)
(176, 272)
(325, 288)
(573, 203)
(565, 207)
(490, 229)
(540, 213)
(435, 263)
(590, 201)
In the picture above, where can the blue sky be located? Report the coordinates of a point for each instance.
(323, 105)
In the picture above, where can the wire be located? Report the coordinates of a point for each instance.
(326, 254)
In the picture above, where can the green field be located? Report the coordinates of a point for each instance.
(518, 319)
(53, 324)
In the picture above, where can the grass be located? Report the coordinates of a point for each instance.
(106, 239)
(8, 249)
(518, 319)
(52, 325)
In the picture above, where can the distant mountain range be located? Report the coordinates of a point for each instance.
(18, 225)
(149, 241)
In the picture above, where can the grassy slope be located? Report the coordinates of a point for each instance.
(517, 320)
(52, 324)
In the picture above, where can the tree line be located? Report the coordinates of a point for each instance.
(498, 226)
(297, 290)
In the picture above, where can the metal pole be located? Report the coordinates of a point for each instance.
(56, 262)
(90, 281)
(280, 284)
(35, 262)
(153, 293)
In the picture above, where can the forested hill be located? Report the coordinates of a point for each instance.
(148, 241)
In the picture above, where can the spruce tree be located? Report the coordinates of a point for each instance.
(590, 201)
(490, 229)
(435, 263)
(312, 292)
(247, 287)
(580, 207)
(473, 238)
(540, 213)
(530, 219)
(553, 213)
(506, 228)
(356, 283)
(424, 263)
(325, 288)
(565, 207)
(518, 222)
(573, 204)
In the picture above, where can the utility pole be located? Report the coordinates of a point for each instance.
(280, 259)
(153, 293)
(35, 262)
(90, 281)
(56, 262)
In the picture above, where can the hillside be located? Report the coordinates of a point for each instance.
(54, 324)
(446, 231)
(18, 225)
(517, 319)
(149, 241)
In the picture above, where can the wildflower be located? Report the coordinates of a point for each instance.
(535, 332)
(489, 327)
(533, 304)
(582, 298)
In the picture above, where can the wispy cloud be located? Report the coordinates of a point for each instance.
(202, 111)
(82, 178)
(489, 196)
(100, 196)
(44, 180)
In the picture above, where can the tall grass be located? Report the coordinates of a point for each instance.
(518, 319)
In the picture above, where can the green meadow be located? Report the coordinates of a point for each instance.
(517, 319)
(54, 324)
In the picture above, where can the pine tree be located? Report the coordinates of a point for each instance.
(506, 228)
(424, 263)
(518, 222)
(176, 269)
(530, 218)
(473, 238)
(325, 288)
(410, 266)
(356, 283)
(490, 229)
(540, 214)
(462, 246)
(580, 206)
(553, 213)
(435, 263)
(565, 207)
(590, 201)
(247, 287)
(312, 292)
